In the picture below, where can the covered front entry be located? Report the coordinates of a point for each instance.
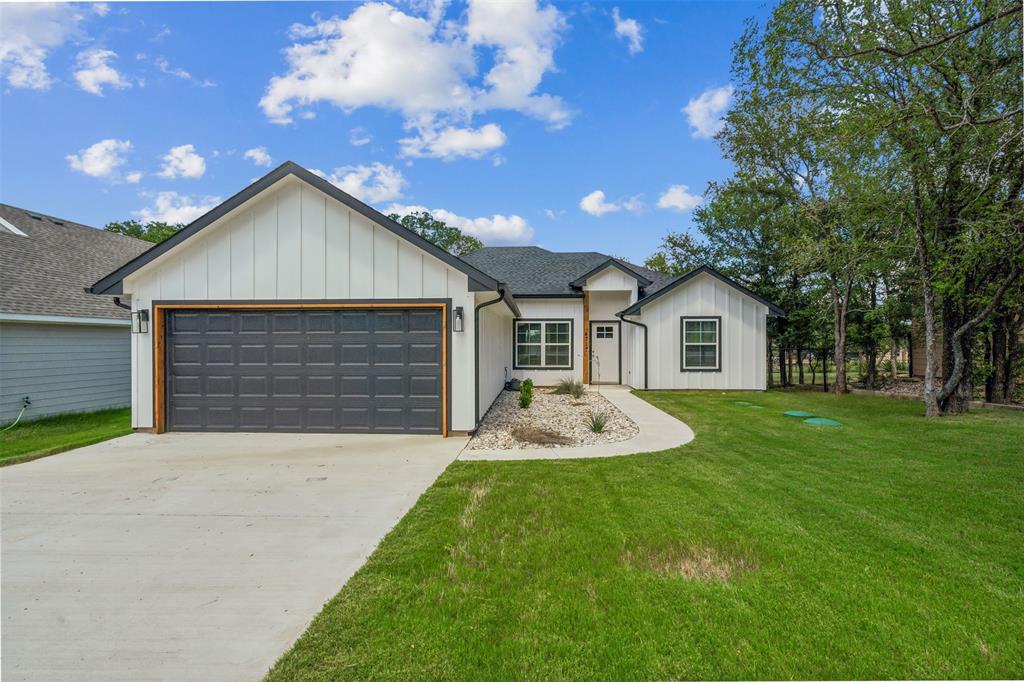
(605, 352)
(342, 370)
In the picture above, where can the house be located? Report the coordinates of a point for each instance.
(64, 350)
(293, 306)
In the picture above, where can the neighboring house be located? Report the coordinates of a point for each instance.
(65, 350)
(295, 307)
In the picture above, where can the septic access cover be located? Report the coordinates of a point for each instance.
(799, 413)
(821, 421)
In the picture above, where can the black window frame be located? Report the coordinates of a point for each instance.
(543, 321)
(717, 319)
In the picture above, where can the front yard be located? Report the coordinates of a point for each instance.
(766, 548)
(50, 435)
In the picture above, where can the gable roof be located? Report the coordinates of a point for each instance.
(533, 271)
(682, 279)
(611, 263)
(45, 269)
(112, 283)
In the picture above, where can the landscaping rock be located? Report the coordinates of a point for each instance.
(551, 421)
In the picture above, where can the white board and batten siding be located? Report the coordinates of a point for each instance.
(743, 337)
(293, 242)
(63, 368)
(495, 350)
(554, 309)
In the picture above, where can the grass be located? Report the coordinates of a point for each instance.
(766, 548)
(50, 435)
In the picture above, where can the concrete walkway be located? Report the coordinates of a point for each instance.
(658, 431)
(192, 557)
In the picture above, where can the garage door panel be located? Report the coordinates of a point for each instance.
(389, 354)
(220, 354)
(320, 370)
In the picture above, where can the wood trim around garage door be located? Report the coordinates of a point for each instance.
(161, 307)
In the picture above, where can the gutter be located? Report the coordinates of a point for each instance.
(643, 326)
(476, 354)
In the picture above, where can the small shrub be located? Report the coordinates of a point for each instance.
(526, 394)
(570, 386)
(597, 422)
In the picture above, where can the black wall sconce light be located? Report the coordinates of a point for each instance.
(458, 320)
(140, 322)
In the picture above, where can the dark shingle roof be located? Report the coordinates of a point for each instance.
(46, 272)
(533, 271)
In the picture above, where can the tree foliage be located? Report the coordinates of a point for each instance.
(878, 148)
(154, 231)
(449, 238)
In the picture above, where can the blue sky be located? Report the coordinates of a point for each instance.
(573, 126)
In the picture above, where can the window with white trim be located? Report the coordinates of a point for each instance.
(701, 343)
(543, 344)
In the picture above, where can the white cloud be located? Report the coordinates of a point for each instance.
(133, 177)
(423, 67)
(452, 142)
(28, 32)
(373, 183)
(182, 162)
(596, 204)
(498, 229)
(705, 112)
(178, 72)
(259, 156)
(171, 207)
(630, 30)
(93, 71)
(678, 197)
(102, 159)
(101, 9)
(358, 136)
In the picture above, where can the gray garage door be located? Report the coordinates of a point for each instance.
(351, 370)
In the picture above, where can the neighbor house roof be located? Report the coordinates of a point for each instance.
(533, 271)
(112, 282)
(46, 263)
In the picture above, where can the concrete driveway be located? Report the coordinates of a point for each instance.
(192, 556)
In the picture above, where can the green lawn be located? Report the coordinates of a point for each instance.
(50, 435)
(767, 548)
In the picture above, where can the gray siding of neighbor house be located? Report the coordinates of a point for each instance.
(63, 368)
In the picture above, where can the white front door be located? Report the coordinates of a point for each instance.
(605, 351)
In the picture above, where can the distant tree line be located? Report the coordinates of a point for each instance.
(879, 174)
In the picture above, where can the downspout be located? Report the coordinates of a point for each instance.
(644, 327)
(117, 302)
(476, 354)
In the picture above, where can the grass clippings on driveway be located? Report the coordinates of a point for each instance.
(50, 435)
(766, 548)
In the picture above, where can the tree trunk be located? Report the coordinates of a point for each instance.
(894, 345)
(1013, 332)
(931, 402)
(840, 302)
(800, 364)
(957, 379)
(782, 367)
(771, 362)
(996, 342)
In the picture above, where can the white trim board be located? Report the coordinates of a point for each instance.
(60, 319)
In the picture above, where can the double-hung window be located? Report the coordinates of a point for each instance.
(543, 344)
(701, 343)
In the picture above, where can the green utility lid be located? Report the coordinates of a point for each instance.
(799, 413)
(821, 421)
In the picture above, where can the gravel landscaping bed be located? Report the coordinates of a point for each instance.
(560, 414)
